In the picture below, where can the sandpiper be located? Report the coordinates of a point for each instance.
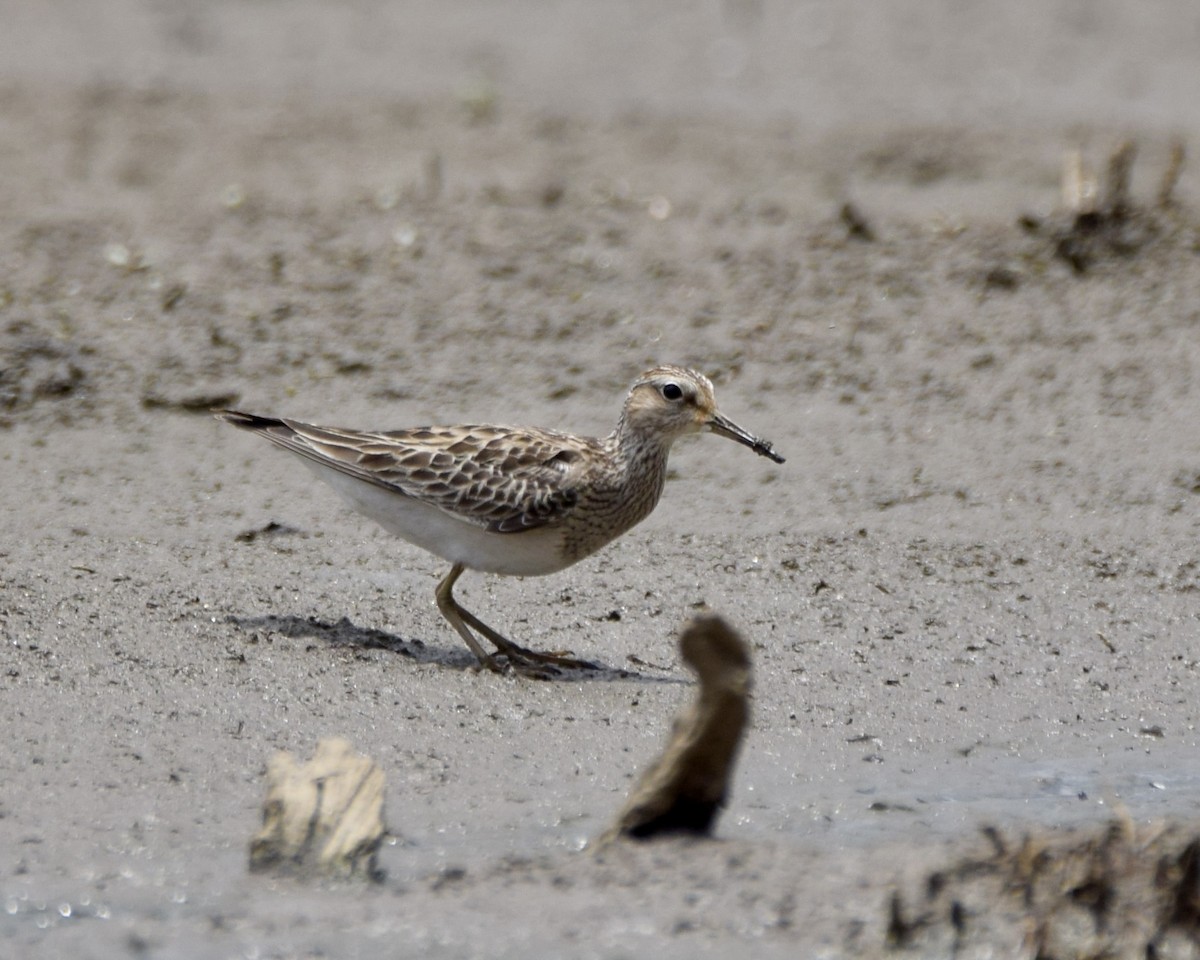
(520, 501)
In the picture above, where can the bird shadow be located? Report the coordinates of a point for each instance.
(346, 634)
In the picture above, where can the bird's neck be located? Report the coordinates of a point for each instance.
(641, 456)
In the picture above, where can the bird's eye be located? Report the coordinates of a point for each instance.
(672, 391)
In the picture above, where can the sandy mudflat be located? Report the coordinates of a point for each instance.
(973, 590)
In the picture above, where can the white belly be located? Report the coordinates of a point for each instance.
(529, 554)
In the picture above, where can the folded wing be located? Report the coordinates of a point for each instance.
(501, 479)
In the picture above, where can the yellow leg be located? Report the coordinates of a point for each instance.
(453, 613)
(526, 661)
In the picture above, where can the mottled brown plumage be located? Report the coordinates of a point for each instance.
(511, 500)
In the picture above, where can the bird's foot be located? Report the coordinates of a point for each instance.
(542, 665)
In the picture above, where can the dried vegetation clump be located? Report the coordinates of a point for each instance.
(1100, 219)
(1116, 890)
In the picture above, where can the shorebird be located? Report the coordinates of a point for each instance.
(518, 501)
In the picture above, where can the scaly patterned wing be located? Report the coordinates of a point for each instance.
(506, 480)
